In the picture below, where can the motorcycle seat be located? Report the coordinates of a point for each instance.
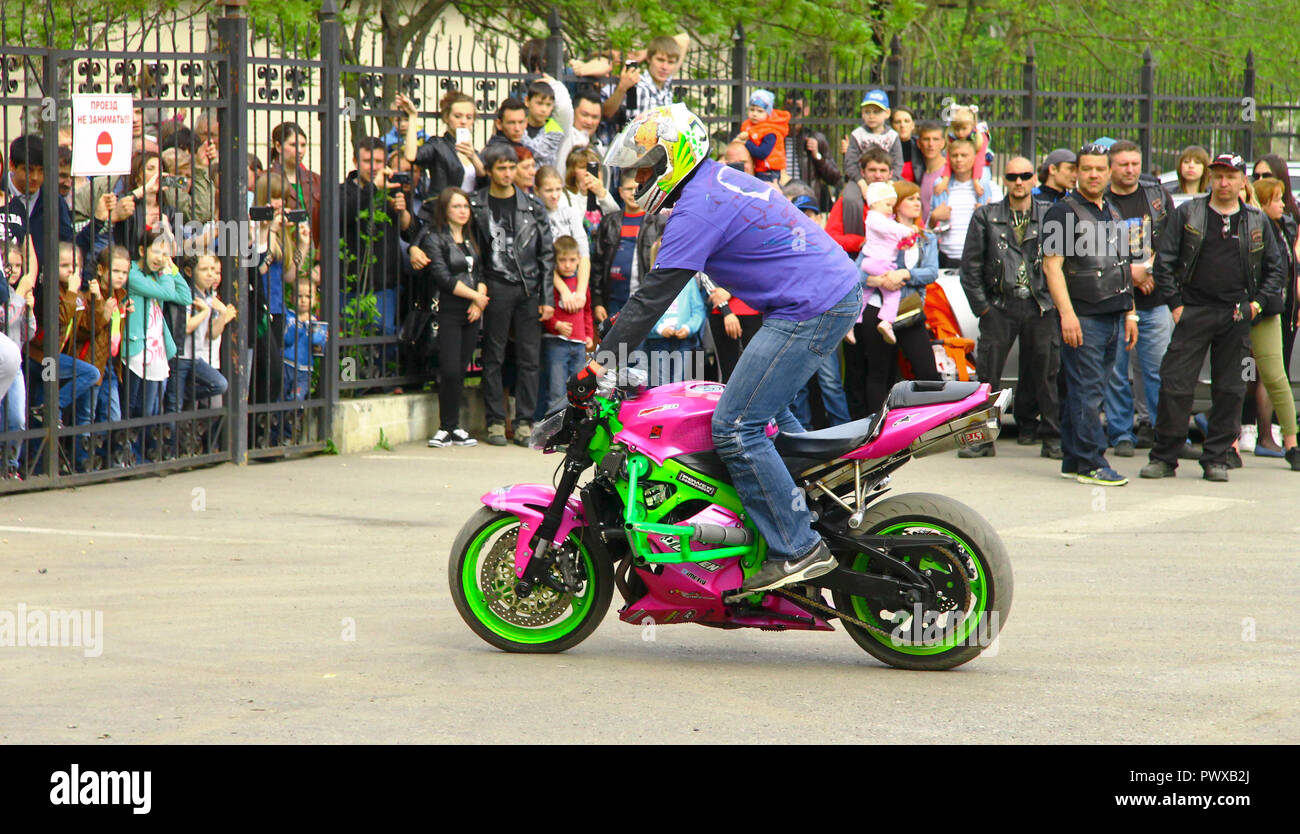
(826, 444)
(914, 392)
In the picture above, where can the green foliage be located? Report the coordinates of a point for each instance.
(383, 442)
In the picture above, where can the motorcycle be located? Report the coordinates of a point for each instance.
(923, 581)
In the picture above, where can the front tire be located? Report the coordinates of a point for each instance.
(985, 600)
(481, 574)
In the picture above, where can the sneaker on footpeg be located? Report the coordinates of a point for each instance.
(778, 572)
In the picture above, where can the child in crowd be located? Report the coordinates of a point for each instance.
(875, 130)
(18, 322)
(565, 220)
(965, 124)
(199, 358)
(150, 346)
(568, 335)
(545, 132)
(764, 134)
(301, 333)
(676, 336)
(110, 309)
(79, 377)
(884, 237)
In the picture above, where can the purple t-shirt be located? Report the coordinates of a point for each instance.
(756, 244)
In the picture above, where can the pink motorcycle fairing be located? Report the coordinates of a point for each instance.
(674, 419)
(903, 425)
(692, 592)
(529, 503)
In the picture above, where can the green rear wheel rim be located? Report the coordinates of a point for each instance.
(475, 597)
(978, 589)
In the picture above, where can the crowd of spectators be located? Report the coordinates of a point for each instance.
(504, 259)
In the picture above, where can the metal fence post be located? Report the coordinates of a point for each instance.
(739, 69)
(331, 85)
(894, 71)
(1147, 106)
(50, 262)
(232, 35)
(1029, 107)
(554, 45)
(1248, 112)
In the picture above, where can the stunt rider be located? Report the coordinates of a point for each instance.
(753, 242)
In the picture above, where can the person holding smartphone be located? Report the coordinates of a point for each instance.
(450, 159)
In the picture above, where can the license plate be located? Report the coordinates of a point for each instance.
(976, 436)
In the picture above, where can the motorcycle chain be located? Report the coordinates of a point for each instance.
(834, 612)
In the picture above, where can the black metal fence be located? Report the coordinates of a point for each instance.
(315, 318)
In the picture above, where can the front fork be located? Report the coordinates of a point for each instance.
(576, 461)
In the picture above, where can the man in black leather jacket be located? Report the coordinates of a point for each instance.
(1087, 266)
(1002, 276)
(519, 261)
(1219, 266)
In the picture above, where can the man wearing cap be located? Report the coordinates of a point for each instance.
(808, 154)
(1002, 276)
(875, 131)
(1144, 207)
(1056, 176)
(1087, 270)
(1219, 267)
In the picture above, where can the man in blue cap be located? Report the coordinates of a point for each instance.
(876, 131)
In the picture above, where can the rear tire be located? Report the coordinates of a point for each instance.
(989, 594)
(481, 574)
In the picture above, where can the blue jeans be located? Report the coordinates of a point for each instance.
(1155, 327)
(14, 418)
(297, 382)
(833, 399)
(775, 365)
(1086, 369)
(561, 359)
(80, 385)
(145, 401)
(208, 383)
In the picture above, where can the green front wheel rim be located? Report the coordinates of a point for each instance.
(474, 596)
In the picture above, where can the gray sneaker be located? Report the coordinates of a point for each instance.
(523, 434)
(778, 572)
(1158, 469)
(496, 434)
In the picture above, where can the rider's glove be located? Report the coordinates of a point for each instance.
(582, 387)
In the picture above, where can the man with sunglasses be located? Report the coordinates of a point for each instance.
(1087, 268)
(1144, 206)
(1219, 266)
(1002, 275)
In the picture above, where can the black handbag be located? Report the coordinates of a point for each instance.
(419, 333)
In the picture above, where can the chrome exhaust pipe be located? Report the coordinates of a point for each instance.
(971, 429)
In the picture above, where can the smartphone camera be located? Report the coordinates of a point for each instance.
(296, 215)
(260, 213)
